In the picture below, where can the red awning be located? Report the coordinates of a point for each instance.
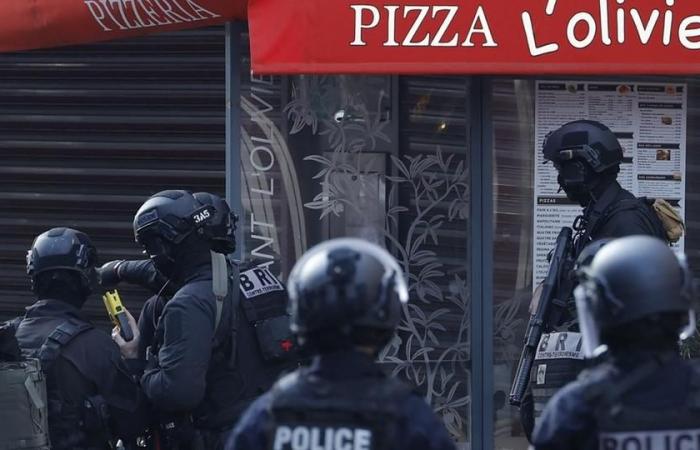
(475, 36)
(27, 24)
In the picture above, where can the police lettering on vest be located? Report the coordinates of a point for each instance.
(322, 438)
(652, 440)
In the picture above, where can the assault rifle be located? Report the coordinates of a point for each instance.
(550, 307)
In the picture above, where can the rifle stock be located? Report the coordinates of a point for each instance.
(540, 320)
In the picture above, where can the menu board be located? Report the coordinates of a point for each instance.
(649, 120)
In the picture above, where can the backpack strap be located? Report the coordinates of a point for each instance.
(58, 339)
(592, 218)
(220, 282)
(599, 212)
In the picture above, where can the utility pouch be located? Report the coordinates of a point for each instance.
(671, 220)
(264, 302)
(23, 406)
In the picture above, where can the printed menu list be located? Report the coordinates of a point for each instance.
(649, 120)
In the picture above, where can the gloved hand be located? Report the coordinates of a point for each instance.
(141, 272)
(108, 274)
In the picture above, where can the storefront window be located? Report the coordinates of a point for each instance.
(514, 135)
(380, 158)
(513, 139)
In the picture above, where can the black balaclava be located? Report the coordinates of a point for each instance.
(189, 256)
(581, 184)
(65, 285)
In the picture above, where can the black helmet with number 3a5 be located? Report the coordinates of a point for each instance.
(221, 229)
(346, 291)
(63, 249)
(165, 221)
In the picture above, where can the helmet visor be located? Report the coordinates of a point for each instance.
(586, 296)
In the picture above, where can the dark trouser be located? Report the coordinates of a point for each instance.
(527, 414)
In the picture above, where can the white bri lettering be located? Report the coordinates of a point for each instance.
(259, 281)
(560, 346)
(322, 438)
(652, 440)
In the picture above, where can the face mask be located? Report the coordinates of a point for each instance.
(575, 178)
(160, 253)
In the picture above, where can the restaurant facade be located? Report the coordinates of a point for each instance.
(414, 126)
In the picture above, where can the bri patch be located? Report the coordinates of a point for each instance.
(560, 346)
(258, 281)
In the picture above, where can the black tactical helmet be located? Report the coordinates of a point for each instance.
(63, 249)
(588, 253)
(584, 140)
(220, 230)
(630, 279)
(582, 151)
(343, 285)
(165, 221)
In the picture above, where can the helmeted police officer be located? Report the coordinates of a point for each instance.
(587, 157)
(345, 301)
(559, 358)
(218, 230)
(204, 364)
(93, 397)
(633, 300)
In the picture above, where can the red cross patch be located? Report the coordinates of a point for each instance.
(286, 345)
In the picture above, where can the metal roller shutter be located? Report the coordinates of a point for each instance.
(87, 133)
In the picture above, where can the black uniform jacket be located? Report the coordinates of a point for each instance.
(418, 427)
(187, 369)
(570, 420)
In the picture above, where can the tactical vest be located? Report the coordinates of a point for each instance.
(264, 301)
(558, 361)
(622, 426)
(70, 426)
(67, 422)
(252, 347)
(588, 225)
(309, 413)
(23, 413)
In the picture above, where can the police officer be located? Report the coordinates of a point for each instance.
(633, 302)
(559, 357)
(345, 301)
(93, 398)
(587, 156)
(204, 366)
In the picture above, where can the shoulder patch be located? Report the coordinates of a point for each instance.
(258, 281)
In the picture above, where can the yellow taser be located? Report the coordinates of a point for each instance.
(117, 314)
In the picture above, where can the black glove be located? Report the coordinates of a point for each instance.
(108, 274)
(141, 273)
